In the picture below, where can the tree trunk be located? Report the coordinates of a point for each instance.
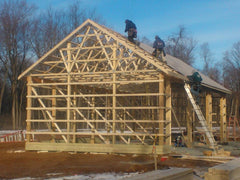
(237, 107)
(13, 114)
(20, 107)
(14, 101)
(2, 90)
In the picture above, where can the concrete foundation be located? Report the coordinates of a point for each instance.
(226, 171)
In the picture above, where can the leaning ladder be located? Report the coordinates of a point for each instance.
(202, 119)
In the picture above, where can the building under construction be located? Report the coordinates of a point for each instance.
(97, 92)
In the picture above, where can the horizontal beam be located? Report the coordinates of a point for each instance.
(99, 121)
(96, 73)
(92, 108)
(97, 95)
(97, 148)
(94, 133)
(89, 83)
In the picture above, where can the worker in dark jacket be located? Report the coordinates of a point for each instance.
(158, 46)
(131, 29)
(195, 82)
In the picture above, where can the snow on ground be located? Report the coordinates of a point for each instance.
(104, 176)
(4, 132)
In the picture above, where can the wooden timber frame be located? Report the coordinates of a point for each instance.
(97, 92)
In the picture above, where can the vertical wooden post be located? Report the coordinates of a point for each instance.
(107, 117)
(93, 117)
(209, 110)
(161, 110)
(114, 95)
(53, 111)
(168, 112)
(223, 120)
(189, 124)
(74, 115)
(29, 105)
(68, 91)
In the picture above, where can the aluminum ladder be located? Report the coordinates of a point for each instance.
(202, 119)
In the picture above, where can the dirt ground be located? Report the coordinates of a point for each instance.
(15, 162)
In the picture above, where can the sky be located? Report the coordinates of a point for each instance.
(215, 22)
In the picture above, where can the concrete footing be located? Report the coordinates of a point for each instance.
(169, 174)
(226, 171)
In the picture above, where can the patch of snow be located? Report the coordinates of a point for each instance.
(103, 176)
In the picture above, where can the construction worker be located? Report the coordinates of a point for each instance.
(195, 82)
(158, 46)
(131, 29)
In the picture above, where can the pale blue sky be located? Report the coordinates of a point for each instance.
(214, 21)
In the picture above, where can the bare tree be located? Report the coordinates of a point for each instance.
(231, 74)
(206, 55)
(210, 68)
(52, 26)
(145, 40)
(14, 36)
(181, 45)
(47, 30)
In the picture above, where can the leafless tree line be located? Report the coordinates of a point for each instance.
(26, 35)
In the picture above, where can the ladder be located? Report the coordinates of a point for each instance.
(202, 119)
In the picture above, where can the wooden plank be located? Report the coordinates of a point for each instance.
(96, 148)
(153, 72)
(100, 120)
(95, 83)
(88, 108)
(95, 95)
(100, 134)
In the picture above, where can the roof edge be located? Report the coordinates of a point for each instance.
(54, 48)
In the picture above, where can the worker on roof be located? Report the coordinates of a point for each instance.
(159, 51)
(195, 82)
(131, 29)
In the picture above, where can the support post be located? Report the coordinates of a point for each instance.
(29, 105)
(114, 95)
(93, 117)
(74, 115)
(209, 110)
(68, 91)
(161, 110)
(189, 124)
(223, 120)
(168, 112)
(53, 112)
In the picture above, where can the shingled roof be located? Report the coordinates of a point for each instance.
(185, 69)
